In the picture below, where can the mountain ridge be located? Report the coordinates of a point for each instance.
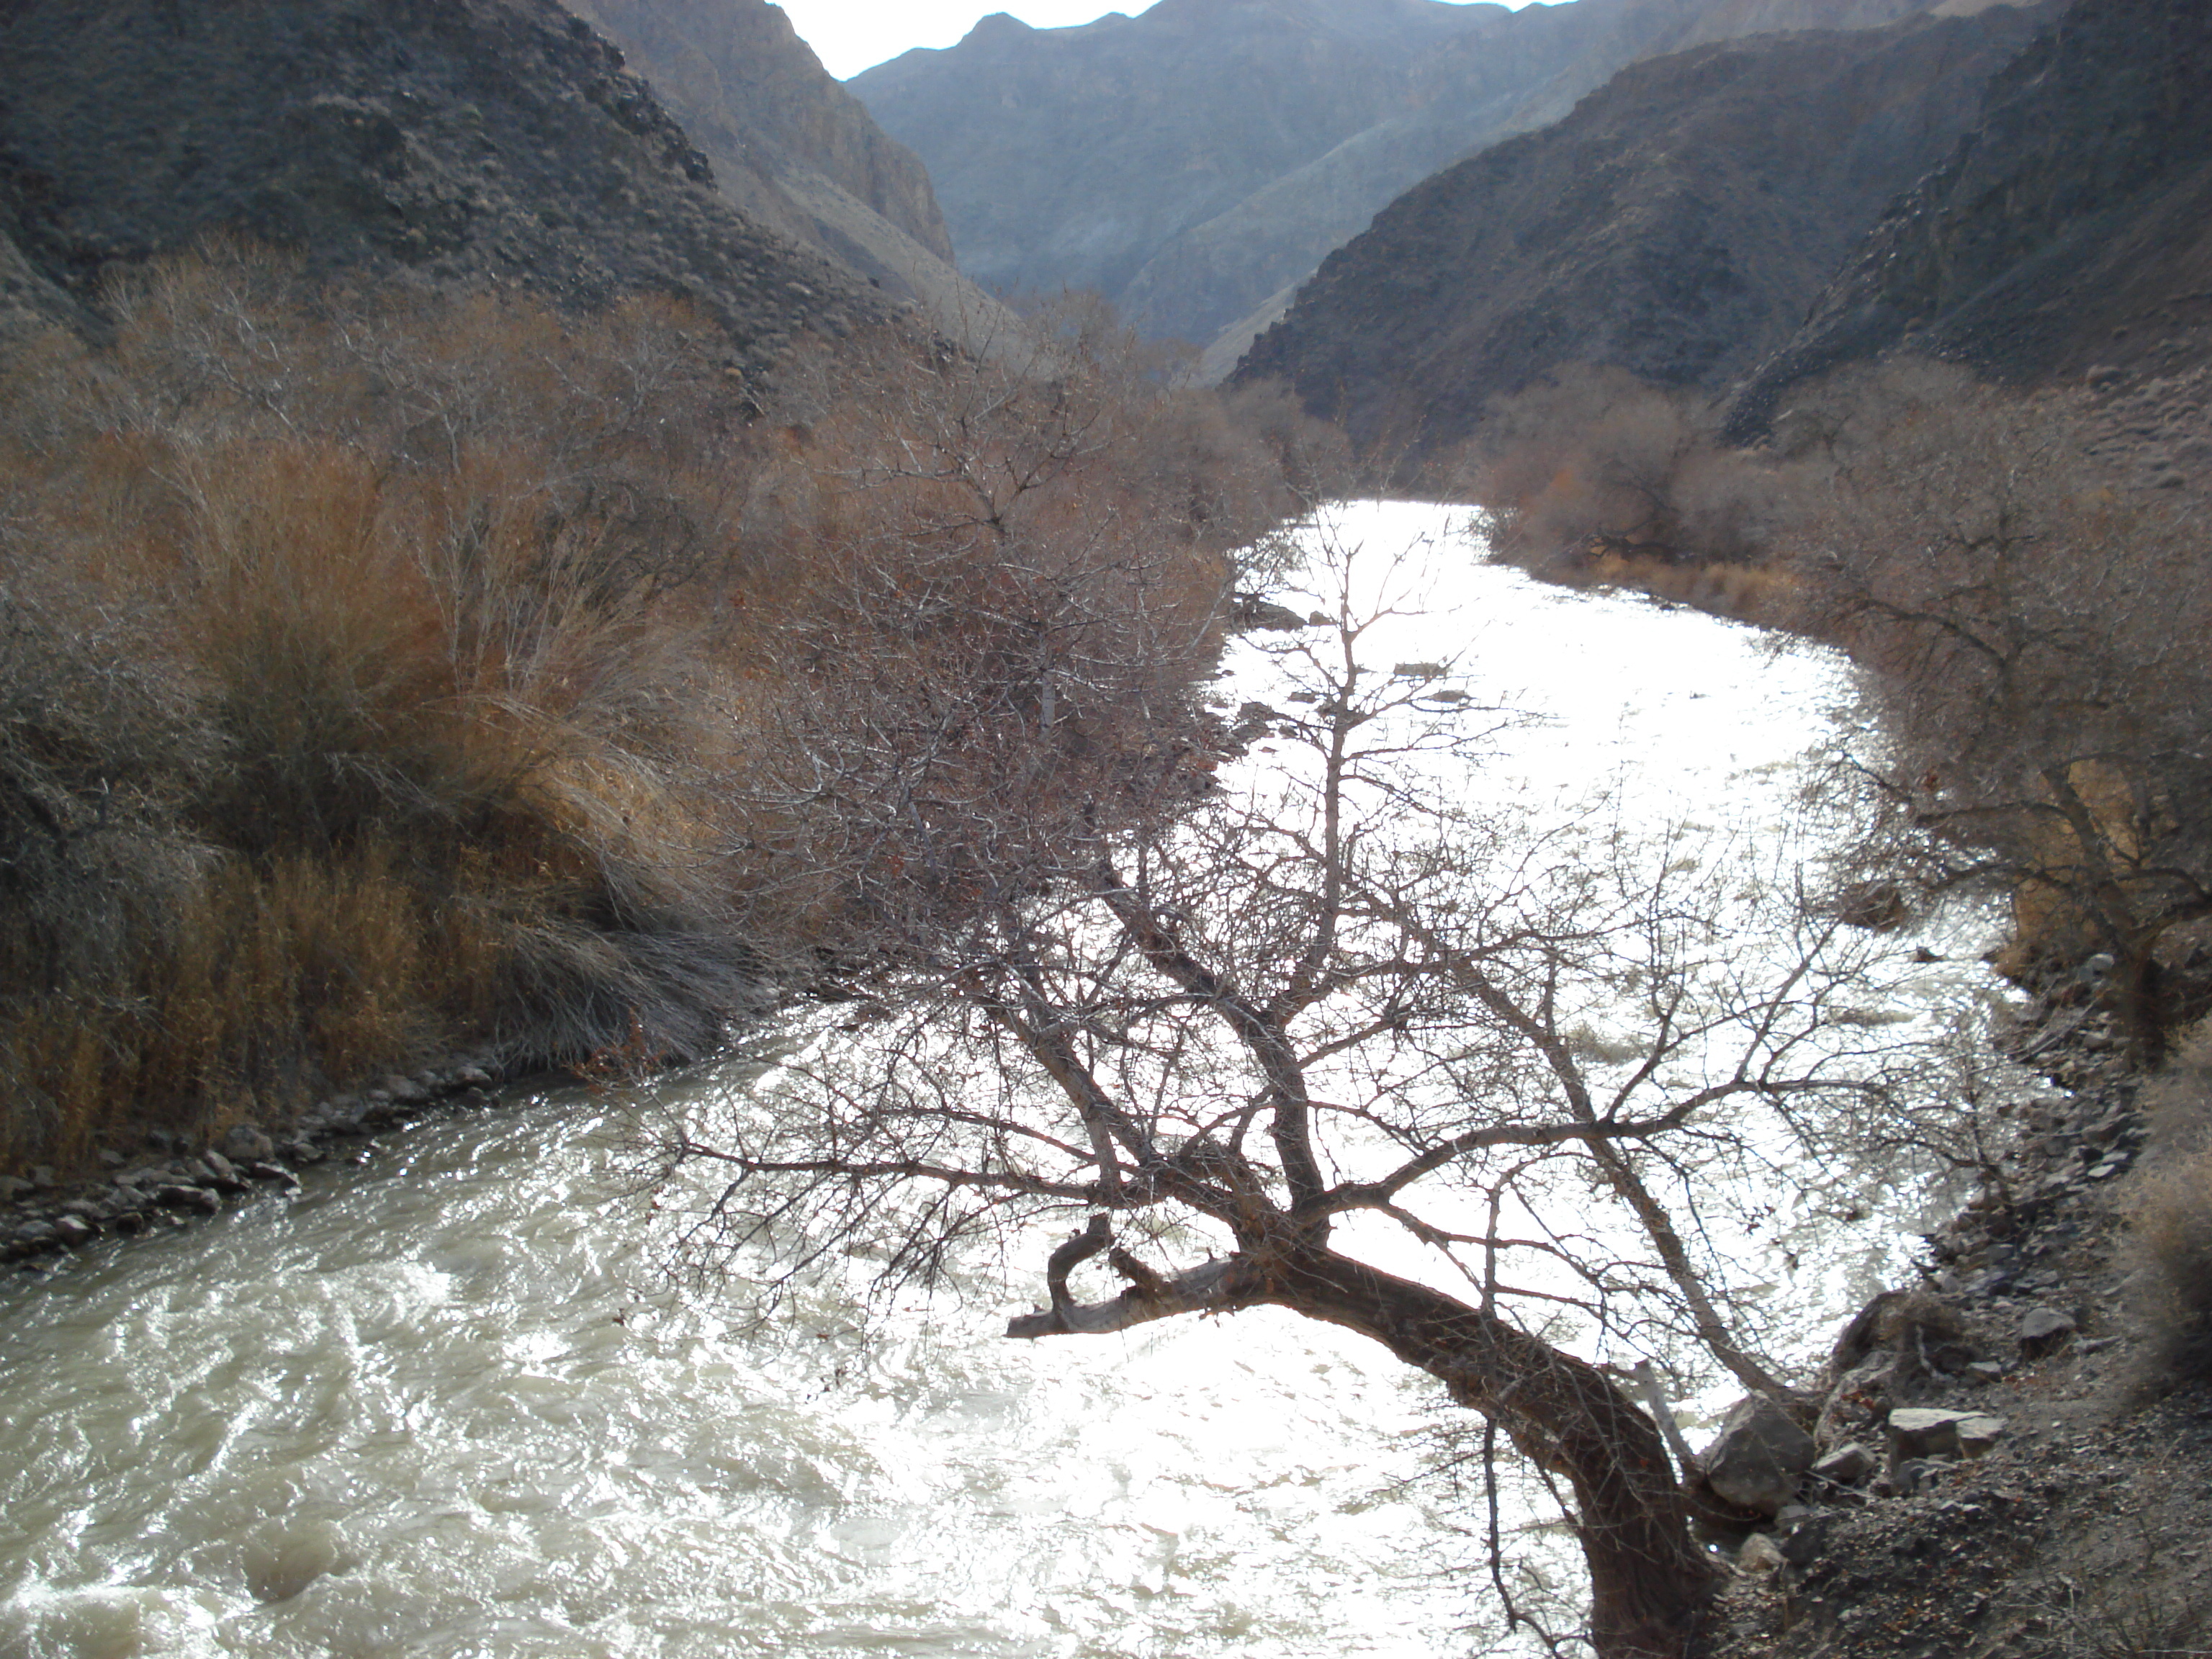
(1676, 224)
(1196, 162)
(2066, 234)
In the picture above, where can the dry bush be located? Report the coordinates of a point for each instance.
(1749, 592)
(100, 746)
(2035, 631)
(1005, 577)
(516, 684)
(2169, 1211)
(1594, 464)
(432, 687)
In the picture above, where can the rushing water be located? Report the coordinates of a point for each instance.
(447, 1403)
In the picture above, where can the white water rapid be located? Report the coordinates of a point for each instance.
(445, 1404)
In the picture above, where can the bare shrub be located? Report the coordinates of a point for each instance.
(2035, 632)
(433, 685)
(101, 745)
(1594, 465)
(496, 650)
(2169, 1212)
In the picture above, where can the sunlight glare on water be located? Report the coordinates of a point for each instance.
(446, 1404)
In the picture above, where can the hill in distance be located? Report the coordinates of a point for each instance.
(1196, 162)
(1676, 224)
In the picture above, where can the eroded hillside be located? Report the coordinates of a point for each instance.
(473, 143)
(1676, 225)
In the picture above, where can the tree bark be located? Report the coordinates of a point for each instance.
(1650, 1583)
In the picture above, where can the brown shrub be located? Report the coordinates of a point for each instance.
(423, 748)
(432, 672)
(1593, 463)
(2169, 1211)
(1748, 593)
(2035, 632)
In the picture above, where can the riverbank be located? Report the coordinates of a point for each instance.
(2008, 1461)
(169, 1181)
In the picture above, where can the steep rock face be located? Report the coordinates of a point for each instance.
(2071, 229)
(755, 98)
(1196, 162)
(1676, 224)
(473, 143)
(794, 150)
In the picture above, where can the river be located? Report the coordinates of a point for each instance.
(448, 1402)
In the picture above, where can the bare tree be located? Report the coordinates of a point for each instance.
(2036, 630)
(1254, 1038)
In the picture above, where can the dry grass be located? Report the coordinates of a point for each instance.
(374, 713)
(2169, 1210)
(1763, 594)
(379, 673)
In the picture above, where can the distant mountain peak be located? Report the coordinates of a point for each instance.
(1196, 161)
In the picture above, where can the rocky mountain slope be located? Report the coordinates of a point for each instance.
(1676, 224)
(470, 142)
(1196, 162)
(791, 149)
(1068, 156)
(2070, 233)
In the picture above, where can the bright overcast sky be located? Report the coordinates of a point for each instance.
(851, 35)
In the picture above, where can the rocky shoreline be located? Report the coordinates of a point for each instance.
(1984, 1470)
(172, 1179)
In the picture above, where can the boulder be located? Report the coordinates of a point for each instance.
(1250, 613)
(245, 1143)
(1925, 1432)
(1760, 1555)
(2044, 1330)
(179, 1196)
(1759, 1456)
(1849, 1464)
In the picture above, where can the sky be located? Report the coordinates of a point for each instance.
(851, 35)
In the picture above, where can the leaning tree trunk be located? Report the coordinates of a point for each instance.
(1650, 1581)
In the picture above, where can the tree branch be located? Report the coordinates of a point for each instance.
(1213, 1287)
